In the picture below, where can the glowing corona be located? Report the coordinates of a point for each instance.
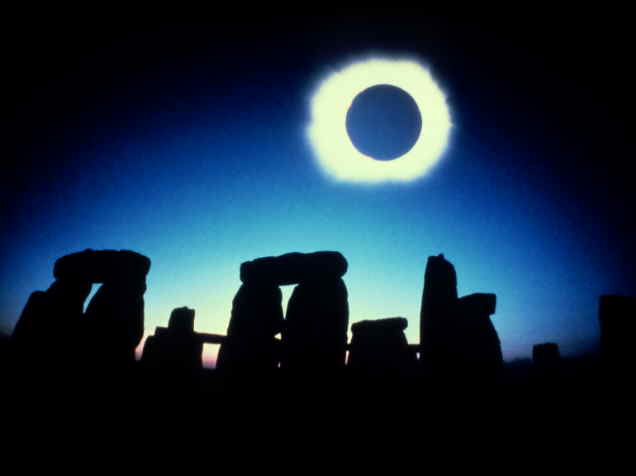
(327, 130)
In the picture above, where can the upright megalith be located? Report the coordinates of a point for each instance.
(181, 321)
(257, 317)
(477, 349)
(437, 310)
(116, 312)
(30, 329)
(51, 331)
(617, 319)
(315, 334)
(457, 335)
(176, 349)
(112, 325)
(379, 348)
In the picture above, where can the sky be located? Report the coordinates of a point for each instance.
(188, 144)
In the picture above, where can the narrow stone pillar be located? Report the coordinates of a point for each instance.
(438, 306)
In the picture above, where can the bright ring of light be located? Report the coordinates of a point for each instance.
(327, 131)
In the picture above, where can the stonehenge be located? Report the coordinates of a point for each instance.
(457, 336)
(314, 331)
(54, 324)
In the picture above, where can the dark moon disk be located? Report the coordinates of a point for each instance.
(384, 122)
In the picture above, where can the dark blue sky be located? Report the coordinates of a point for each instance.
(187, 144)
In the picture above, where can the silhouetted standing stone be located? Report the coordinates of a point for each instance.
(438, 306)
(257, 316)
(477, 349)
(30, 330)
(546, 361)
(546, 355)
(176, 349)
(315, 335)
(51, 331)
(182, 321)
(55, 327)
(380, 348)
(617, 318)
(315, 331)
(457, 336)
(116, 311)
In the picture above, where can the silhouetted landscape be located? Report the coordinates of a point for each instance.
(183, 237)
(55, 340)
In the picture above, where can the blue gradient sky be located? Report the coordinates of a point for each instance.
(200, 161)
